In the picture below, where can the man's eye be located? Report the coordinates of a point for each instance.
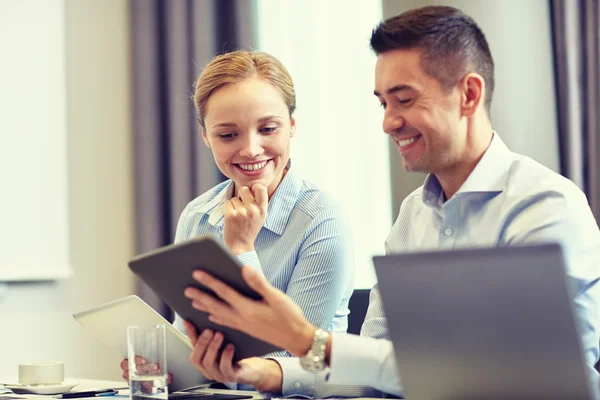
(383, 105)
(404, 101)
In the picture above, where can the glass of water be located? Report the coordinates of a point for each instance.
(147, 357)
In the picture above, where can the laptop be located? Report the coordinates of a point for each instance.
(494, 323)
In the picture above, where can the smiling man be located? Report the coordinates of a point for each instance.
(435, 79)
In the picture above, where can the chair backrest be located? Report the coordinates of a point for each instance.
(358, 305)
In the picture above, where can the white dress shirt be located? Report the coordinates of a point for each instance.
(508, 199)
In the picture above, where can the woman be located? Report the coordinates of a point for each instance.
(282, 226)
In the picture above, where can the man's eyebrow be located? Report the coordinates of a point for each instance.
(395, 89)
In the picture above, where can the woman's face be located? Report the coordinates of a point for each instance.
(248, 128)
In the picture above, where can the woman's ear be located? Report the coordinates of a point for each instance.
(292, 126)
(205, 138)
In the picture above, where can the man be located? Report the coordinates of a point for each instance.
(435, 79)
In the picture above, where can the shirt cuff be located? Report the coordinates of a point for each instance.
(296, 380)
(250, 258)
(356, 359)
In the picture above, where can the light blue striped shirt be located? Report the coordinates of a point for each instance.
(303, 249)
(508, 199)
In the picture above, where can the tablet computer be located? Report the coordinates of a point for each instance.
(108, 323)
(168, 271)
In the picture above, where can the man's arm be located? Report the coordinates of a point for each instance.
(262, 319)
(564, 217)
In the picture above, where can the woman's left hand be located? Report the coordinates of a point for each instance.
(244, 217)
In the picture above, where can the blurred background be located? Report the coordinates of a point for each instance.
(100, 149)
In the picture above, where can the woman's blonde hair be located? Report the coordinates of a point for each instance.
(236, 66)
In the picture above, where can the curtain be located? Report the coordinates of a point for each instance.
(171, 40)
(575, 30)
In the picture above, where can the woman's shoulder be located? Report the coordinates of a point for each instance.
(315, 201)
(207, 197)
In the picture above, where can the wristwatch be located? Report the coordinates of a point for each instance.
(314, 360)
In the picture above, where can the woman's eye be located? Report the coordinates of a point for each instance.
(268, 129)
(226, 136)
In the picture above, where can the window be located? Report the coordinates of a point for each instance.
(339, 143)
(33, 140)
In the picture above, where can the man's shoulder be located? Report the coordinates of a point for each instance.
(529, 178)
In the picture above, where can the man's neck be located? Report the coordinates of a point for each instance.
(452, 178)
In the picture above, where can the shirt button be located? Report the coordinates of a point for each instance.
(448, 232)
(297, 385)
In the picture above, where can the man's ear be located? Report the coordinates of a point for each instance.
(205, 138)
(472, 89)
(292, 126)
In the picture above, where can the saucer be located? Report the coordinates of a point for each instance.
(43, 389)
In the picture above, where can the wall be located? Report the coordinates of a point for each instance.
(35, 319)
(524, 104)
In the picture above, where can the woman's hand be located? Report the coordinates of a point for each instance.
(264, 375)
(142, 365)
(244, 217)
(275, 319)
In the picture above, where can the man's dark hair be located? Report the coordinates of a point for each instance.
(452, 44)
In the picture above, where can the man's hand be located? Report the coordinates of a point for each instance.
(141, 365)
(275, 319)
(264, 375)
(244, 217)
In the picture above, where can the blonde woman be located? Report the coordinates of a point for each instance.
(270, 218)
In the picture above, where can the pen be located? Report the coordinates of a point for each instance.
(88, 393)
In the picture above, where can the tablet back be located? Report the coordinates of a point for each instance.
(168, 271)
(108, 322)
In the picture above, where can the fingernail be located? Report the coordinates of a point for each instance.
(206, 333)
(198, 275)
(218, 337)
(188, 292)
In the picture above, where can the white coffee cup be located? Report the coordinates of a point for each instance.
(42, 373)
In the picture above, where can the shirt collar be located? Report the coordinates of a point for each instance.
(281, 204)
(490, 175)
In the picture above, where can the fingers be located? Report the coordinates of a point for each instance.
(261, 196)
(212, 352)
(226, 293)
(190, 331)
(199, 350)
(124, 364)
(259, 284)
(246, 195)
(169, 378)
(229, 208)
(226, 363)
(205, 354)
(236, 203)
(140, 360)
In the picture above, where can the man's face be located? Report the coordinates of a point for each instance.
(423, 120)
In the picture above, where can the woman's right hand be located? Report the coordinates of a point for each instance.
(245, 216)
(142, 365)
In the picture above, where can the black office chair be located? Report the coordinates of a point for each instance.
(359, 302)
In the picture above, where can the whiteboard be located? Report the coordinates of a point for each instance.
(34, 242)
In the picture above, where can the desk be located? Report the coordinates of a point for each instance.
(94, 384)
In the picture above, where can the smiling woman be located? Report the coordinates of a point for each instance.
(285, 228)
